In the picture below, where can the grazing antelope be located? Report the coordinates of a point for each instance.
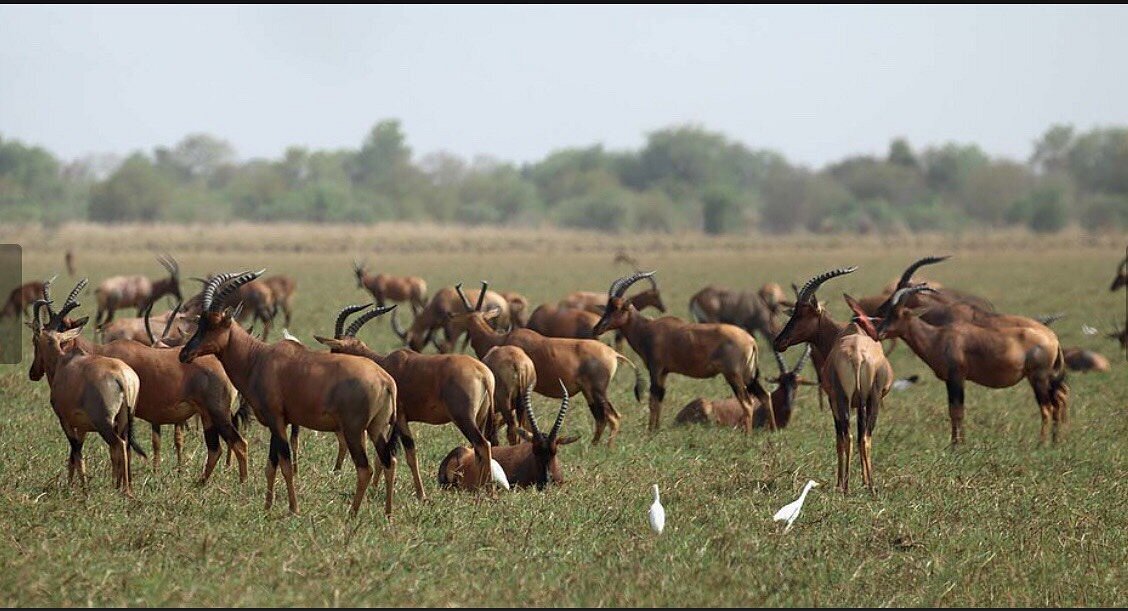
(439, 313)
(729, 413)
(584, 365)
(755, 312)
(995, 357)
(384, 287)
(171, 392)
(670, 345)
(282, 290)
(513, 372)
(21, 298)
(89, 393)
(553, 321)
(136, 291)
(288, 383)
(533, 463)
(433, 389)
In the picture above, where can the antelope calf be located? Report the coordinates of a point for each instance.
(399, 289)
(513, 372)
(89, 393)
(136, 291)
(669, 345)
(533, 463)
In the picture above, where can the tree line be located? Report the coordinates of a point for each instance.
(684, 178)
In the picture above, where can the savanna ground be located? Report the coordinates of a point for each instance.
(998, 521)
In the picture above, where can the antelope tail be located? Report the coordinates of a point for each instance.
(129, 398)
(638, 386)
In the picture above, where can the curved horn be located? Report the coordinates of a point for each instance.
(145, 313)
(171, 320)
(209, 288)
(237, 282)
(339, 326)
(807, 293)
(529, 411)
(396, 328)
(779, 361)
(910, 270)
(465, 301)
(367, 316)
(802, 360)
(169, 264)
(653, 282)
(37, 321)
(47, 295)
(900, 295)
(563, 412)
(621, 285)
(69, 305)
(482, 296)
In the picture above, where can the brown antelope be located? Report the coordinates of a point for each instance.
(810, 323)
(995, 357)
(136, 291)
(21, 298)
(89, 393)
(433, 389)
(399, 289)
(755, 312)
(288, 383)
(729, 413)
(69, 260)
(439, 314)
(533, 463)
(670, 345)
(513, 372)
(553, 321)
(584, 365)
(171, 392)
(597, 302)
(518, 308)
(282, 290)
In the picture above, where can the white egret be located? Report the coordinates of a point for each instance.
(657, 513)
(905, 383)
(791, 510)
(287, 335)
(498, 474)
(1087, 330)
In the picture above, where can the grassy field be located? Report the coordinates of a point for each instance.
(998, 521)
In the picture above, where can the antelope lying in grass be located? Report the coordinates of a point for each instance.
(136, 291)
(21, 298)
(439, 313)
(89, 393)
(669, 345)
(584, 365)
(513, 372)
(433, 388)
(729, 413)
(171, 392)
(398, 289)
(755, 312)
(288, 383)
(533, 463)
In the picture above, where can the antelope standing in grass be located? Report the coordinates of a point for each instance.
(670, 345)
(755, 312)
(89, 393)
(995, 357)
(282, 290)
(432, 388)
(136, 291)
(439, 313)
(533, 463)
(584, 365)
(288, 383)
(596, 302)
(171, 392)
(553, 321)
(513, 372)
(518, 308)
(21, 298)
(399, 289)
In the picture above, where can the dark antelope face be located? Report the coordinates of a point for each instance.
(213, 332)
(615, 315)
(49, 346)
(544, 455)
(801, 327)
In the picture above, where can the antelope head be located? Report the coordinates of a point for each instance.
(213, 326)
(898, 311)
(807, 312)
(618, 309)
(344, 340)
(545, 447)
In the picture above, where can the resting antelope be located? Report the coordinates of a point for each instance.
(89, 393)
(288, 383)
(399, 289)
(583, 365)
(432, 388)
(513, 372)
(136, 291)
(755, 312)
(669, 345)
(171, 392)
(996, 357)
(533, 463)
(439, 314)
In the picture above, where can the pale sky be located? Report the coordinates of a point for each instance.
(815, 83)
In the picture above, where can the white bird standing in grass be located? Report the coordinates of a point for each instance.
(1087, 330)
(657, 513)
(498, 474)
(791, 510)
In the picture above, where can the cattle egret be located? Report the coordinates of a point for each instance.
(905, 383)
(791, 510)
(287, 335)
(1087, 330)
(498, 474)
(657, 513)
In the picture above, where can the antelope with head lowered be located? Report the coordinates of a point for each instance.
(584, 365)
(755, 312)
(171, 392)
(136, 291)
(670, 345)
(384, 287)
(89, 393)
(287, 383)
(433, 389)
(533, 463)
(440, 313)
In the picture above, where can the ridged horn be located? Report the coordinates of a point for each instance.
(481, 296)
(620, 286)
(367, 316)
(907, 276)
(807, 293)
(529, 411)
(339, 326)
(234, 285)
(563, 412)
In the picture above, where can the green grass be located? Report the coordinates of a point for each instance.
(999, 521)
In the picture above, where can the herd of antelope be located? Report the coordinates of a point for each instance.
(204, 363)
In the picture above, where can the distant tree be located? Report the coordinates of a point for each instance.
(1051, 151)
(720, 210)
(197, 156)
(1098, 160)
(948, 167)
(137, 191)
(901, 154)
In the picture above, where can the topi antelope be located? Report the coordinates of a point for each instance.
(597, 302)
(755, 312)
(432, 388)
(669, 345)
(399, 289)
(440, 313)
(553, 321)
(136, 291)
(518, 308)
(282, 290)
(21, 298)
(89, 393)
(584, 365)
(287, 383)
(533, 463)
(513, 372)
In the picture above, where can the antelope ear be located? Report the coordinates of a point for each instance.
(526, 435)
(563, 441)
(80, 323)
(69, 334)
